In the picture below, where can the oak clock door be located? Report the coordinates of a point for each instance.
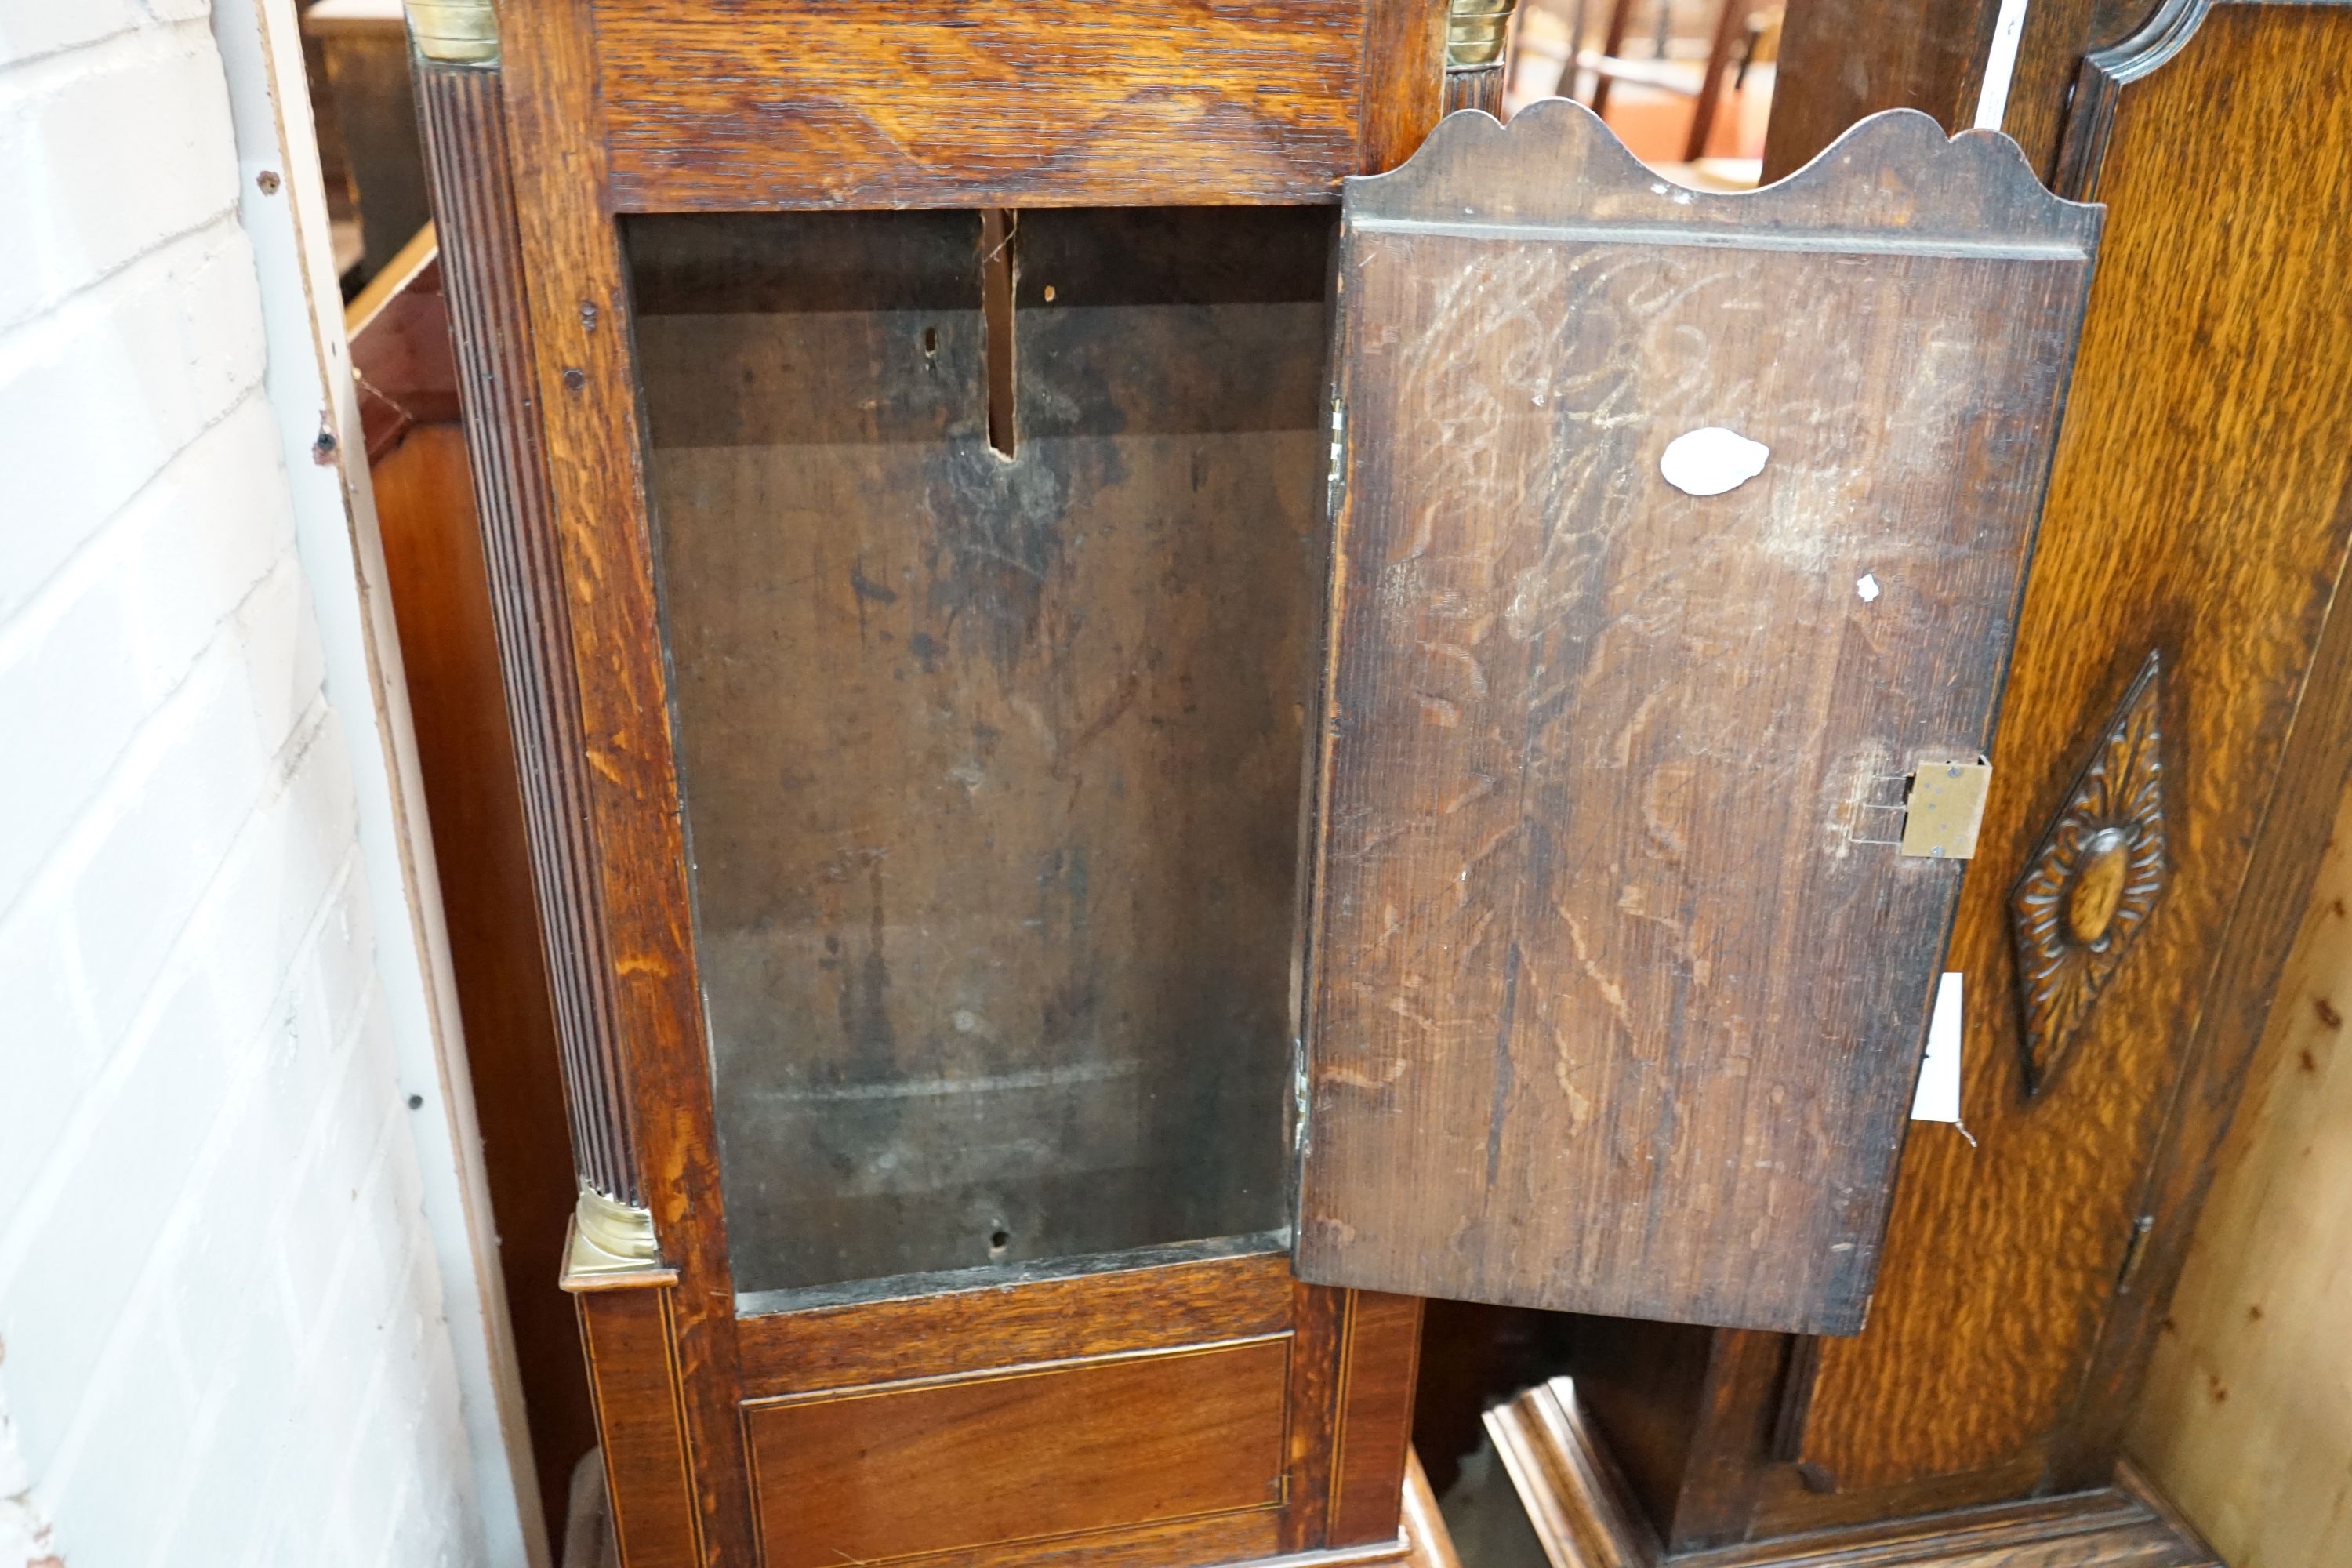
(1678, 541)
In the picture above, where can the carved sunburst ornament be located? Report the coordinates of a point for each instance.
(2093, 882)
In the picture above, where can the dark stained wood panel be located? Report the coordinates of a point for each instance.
(2049, 57)
(2200, 505)
(1842, 59)
(1025, 1454)
(902, 103)
(1616, 1005)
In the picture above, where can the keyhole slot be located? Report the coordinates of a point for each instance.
(999, 229)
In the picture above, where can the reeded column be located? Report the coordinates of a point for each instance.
(460, 102)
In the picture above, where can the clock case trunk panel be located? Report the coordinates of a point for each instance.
(1147, 1403)
(1069, 1383)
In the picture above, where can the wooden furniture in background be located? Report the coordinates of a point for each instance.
(2199, 519)
(408, 391)
(1732, 25)
(362, 45)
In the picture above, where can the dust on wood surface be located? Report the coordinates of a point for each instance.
(990, 765)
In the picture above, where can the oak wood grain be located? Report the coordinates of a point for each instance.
(1374, 1417)
(1584, 1517)
(1615, 1005)
(1023, 1455)
(2311, 765)
(2199, 506)
(574, 383)
(1318, 1385)
(953, 1331)
(584, 389)
(1338, 1428)
(630, 1340)
(2002, 1297)
(1404, 67)
(1046, 103)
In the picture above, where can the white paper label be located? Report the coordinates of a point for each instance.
(1938, 1097)
(1709, 461)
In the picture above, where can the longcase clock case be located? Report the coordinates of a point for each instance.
(1133, 763)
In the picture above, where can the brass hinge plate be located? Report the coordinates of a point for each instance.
(1944, 809)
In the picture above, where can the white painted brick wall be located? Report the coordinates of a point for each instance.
(222, 1337)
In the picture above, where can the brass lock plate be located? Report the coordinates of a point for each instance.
(1944, 809)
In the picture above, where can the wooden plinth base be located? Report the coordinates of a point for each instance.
(1422, 1541)
(1585, 1517)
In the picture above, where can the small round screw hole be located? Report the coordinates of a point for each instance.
(573, 380)
(999, 1239)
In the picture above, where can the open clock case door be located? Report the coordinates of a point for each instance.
(1618, 961)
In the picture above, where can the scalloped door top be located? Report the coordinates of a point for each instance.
(1618, 984)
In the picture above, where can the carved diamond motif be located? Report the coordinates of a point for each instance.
(2094, 881)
